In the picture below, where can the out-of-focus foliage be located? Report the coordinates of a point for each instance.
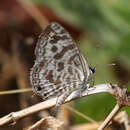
(107, 24)
(108, 21)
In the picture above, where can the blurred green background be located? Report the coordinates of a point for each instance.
(106, 39)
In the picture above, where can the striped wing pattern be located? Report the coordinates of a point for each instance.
(59, 66)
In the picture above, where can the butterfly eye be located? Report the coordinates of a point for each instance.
(39, 88)
(93, 69)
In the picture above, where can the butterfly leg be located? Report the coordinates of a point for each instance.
(92, 81)
(57, 102)
(62, 98)
(83, 86)
(87, 88)
(80, 92)
(90, 87)
(57, 105)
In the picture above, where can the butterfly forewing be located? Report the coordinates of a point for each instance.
(59, 66)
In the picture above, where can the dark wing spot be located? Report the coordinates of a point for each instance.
(78, 75)
(50, 76)
(70, 70)
(54, 49)
(57, 82)
(60, 66)
(39, 88)
(45, 94)
(72, 58)
(77, 62)
(36, 69)
(41, 64)
(63, 31)
(64, 37)
(55, 39)
(64, 50)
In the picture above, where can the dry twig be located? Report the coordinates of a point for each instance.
(16, 91)
(86, 126)
(123, 99)
(122, 96)
(121, 120)
(81, 114)
(47, 123)
(13, 117)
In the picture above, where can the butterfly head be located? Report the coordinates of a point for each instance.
(92, 70)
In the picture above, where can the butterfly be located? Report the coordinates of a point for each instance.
(59, 68)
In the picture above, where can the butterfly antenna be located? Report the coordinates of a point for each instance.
(112, 64)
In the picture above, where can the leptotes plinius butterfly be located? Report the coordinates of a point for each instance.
(59, 67)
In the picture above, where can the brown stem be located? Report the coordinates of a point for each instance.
(110, 117)
(34, 12)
